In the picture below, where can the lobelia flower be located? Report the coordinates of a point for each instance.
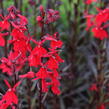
(4, 25)
(89, 22)
(52, 16)
(55, 86)
(20, 22)
(54, 42)
(102, 106)
(88, 2)
(42, 74)
(102, 17)
(18, 34)
(52, 63)
(93, 87)
(35, 56)
(23, 20)
(21, 46)
(54, 76)
(28, 75)
(20, 42)
(99, 33)
(40, 21)
(41, 8)
(14, 58)
(10, 96)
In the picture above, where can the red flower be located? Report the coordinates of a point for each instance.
(35, 56)
(18, 34)
(39, 50)
(42, 74)
(52, 63)
(102, 17)
(5, 66)
(23, 20)
(44, 85)
(14, 58)
(41, 8)
(55, 86)
(52, 16)
(99, 33)
(21, 46)
(4, 25)
(93, 87)
(102, 106)
(28, 75)
(56, 44)
(88, 2)
(40, 21)
(58, 58)
(89, 22)
(7, 99)
(19, 21)
(34, 60)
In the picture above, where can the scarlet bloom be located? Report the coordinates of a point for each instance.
(42, 74)
(28, 75)
(52, 16)
(89, 22)
(102, 17)
(52, 63)
(14, 58)
(93, 87)
(4, 25)
(41, 8)
(54, 41)
(23, 20)
(18, 34)
(35, 56)
(10, 97)
(55, 86)
(56, 44)
(102, 106)
(40, 21)
(99, 33)
(88, 2)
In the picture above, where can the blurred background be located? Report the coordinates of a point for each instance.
(83, 54)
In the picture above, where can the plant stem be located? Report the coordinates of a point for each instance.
(40, 96)
(29, 94)
(5, 48)
(35, 24)
(1, 6)
(15, 3)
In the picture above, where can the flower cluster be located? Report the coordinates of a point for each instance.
(95, 88)
(44, 55)
(98, 23)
